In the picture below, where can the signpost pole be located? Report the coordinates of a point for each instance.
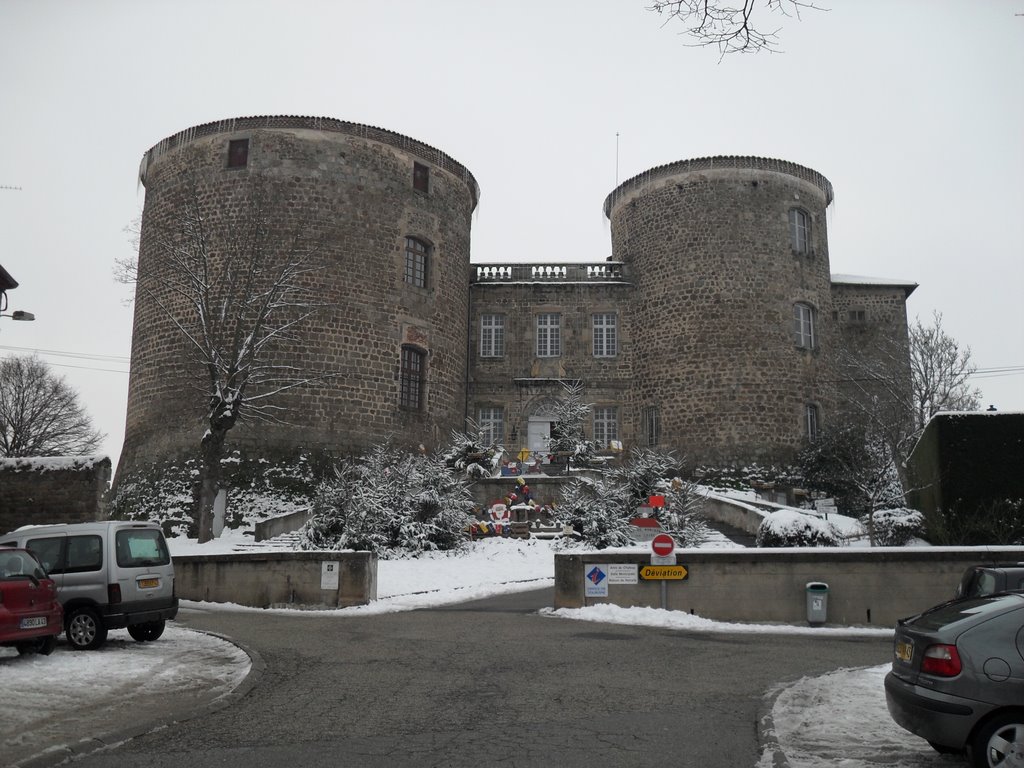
(662, 548)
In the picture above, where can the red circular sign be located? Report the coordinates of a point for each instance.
(663, 544)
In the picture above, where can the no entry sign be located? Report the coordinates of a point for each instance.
(663, 545)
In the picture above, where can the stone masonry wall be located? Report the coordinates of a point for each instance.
(39, 491)
(712, 313)
(873, 348)
(522, 383)
(348, 193)
(703, 282)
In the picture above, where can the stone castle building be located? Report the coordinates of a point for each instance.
(715, 328)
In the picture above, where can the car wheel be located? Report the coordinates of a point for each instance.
(85, 631)
(47, 645)
(148, 630)
(43, 646)
(1000, 742)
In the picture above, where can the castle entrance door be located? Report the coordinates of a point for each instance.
(538, 435)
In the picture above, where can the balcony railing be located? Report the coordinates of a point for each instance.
(604, 271)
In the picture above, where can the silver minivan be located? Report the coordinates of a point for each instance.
(109, 575)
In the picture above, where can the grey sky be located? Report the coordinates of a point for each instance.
(913, 110)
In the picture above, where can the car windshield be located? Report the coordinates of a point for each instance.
(958, 610)
(19, 565)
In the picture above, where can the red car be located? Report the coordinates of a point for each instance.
(31, 617)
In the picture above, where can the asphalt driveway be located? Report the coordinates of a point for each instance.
(485, 683)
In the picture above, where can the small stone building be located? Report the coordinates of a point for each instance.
(715, 327)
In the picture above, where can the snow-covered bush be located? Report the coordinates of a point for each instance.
(567, 436)
(789, 528)
(391, 503)
(600, 508)
(158, 493)
(743, 478)
(649, 473)
(895, 527)
(258, 488)
(469, 453)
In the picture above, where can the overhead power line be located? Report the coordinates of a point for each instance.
(74, 355)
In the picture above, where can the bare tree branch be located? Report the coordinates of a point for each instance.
(40, 414)
(941, 370)
(238, 294)
(729, 27)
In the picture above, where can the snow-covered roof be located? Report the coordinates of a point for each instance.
(908, 285)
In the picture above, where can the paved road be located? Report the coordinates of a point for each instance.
(487, 683)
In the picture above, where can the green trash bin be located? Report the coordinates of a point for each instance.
(817, 603)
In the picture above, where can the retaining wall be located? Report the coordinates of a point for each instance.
(873, 586)
(61, 489)
(278, 579)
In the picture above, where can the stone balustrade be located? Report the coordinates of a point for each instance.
(614, 271)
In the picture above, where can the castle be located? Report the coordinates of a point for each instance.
(715, 328)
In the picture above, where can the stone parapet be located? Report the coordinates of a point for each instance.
(60, 489)
(278, 579)
(869, 586)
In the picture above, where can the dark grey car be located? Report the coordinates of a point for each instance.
(957, 678)
(981, 580)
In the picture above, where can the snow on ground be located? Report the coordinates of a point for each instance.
(840, 719)
(836, 720)
(45, 696)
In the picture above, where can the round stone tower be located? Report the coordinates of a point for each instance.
(387, 219)
(729, 256)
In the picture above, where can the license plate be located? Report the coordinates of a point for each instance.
(33, 621)
(904, 651)
(149, 583)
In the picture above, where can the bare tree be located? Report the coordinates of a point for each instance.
(237, 291)
(940, 372)
(40, 414)
(856, 461)
(728, 26)
(889, 386)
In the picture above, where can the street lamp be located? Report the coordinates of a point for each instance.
(19, 314)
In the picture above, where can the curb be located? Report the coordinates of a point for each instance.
(66, 753)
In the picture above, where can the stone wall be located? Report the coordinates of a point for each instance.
(278, 579)
(702, 283)
(872, 351)
(525, 385)
(40, 491)
(345, 193)
(875, 586)
(712, 313)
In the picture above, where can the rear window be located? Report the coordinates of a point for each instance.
(19, 565)
(960, 610)
(141, 547)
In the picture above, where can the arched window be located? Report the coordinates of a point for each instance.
(811, 421)
(799, 230)
(417, 255)
(411, 378)
(803, 326)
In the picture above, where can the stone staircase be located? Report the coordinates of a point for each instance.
(284, 541)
